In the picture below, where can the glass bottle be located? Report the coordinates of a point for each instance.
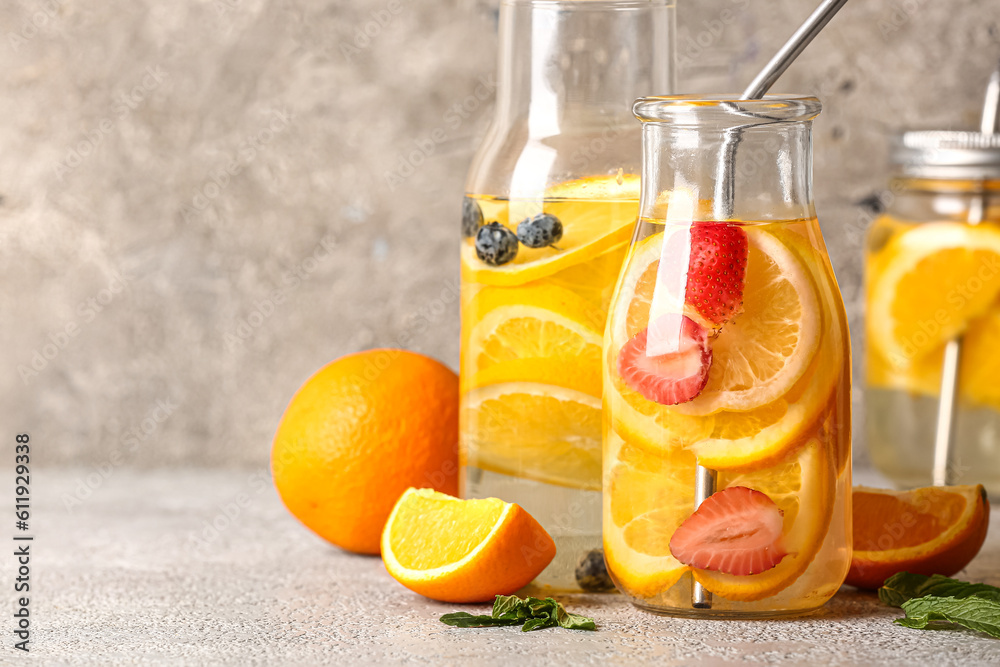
(932, 268)
(552, 196)
(727, 347)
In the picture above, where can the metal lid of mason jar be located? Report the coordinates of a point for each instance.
(947, 154)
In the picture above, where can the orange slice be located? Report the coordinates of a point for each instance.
(658, 428)
(597, 213)
(649, 496)
(933, 530)
(535, 431)
(531, 322)
(734, 440)
(926, 284)
(979, 365)
(463, 550)
(759, 355)
(760, 438)
(738, 439)
(803, 487)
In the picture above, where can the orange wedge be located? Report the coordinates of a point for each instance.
(933, 530)
(463, 550)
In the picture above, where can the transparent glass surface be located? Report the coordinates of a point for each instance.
(932, 274)
(561, 158)
(727, 346)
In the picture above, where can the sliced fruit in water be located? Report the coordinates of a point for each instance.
(596, 213)
(531, 322)
(927, 284)
(650, 496)
(463, 550)
(568, 373)
(536, 431)
(735, 531)
(647, 498)
(933, 530)
(676, 376)
(977, 376)
(763, 352)
(762, 437)
(760, 354)
(659, 428)
(803, 487)
(716, 271)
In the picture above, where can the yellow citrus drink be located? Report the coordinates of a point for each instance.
(537, 278)
(928, 283)
(727, 347)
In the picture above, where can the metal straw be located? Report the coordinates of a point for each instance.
(944, 434)
(725, 196)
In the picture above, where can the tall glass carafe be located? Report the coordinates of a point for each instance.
(552, 197)
(727, 348)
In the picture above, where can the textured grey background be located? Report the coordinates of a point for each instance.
(182, 305)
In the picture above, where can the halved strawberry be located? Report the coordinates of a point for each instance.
(672, 378)
(717, 269)
(735, 531)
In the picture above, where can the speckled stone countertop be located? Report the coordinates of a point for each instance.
(134, 573)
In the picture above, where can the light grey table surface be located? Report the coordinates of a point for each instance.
(132, 574)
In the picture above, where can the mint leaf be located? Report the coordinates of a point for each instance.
(534, 613)
(537, 624)
(509, 606)
(575, 621)
(901, 587)
(906, 586)
(975, 613)
(463, 619)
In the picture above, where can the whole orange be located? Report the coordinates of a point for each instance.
(360, 432)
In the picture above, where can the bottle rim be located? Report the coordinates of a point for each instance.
(726, 110)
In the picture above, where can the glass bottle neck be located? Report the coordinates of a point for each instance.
(769, 179)
(566, 64)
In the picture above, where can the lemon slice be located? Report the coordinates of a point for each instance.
(536, 431)
(597, 214)
(926, 285)
(531, 322)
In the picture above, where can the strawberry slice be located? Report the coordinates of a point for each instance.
(717, 269)
(735, 531)
(675, 377)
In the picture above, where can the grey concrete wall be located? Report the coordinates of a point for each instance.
(196, 214)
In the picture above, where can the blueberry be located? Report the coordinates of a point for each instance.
(495, 244)
(472, 217)
(542, 230)
(592, 574)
